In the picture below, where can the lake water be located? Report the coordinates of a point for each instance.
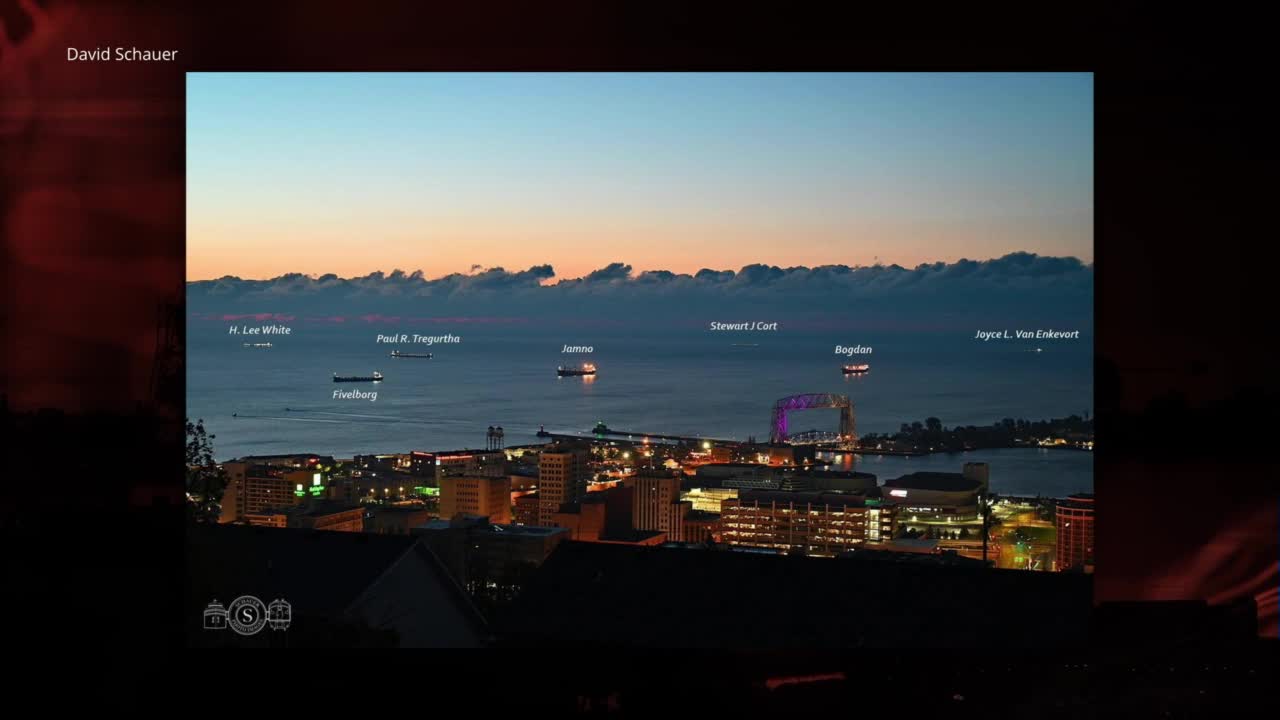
(276, 400)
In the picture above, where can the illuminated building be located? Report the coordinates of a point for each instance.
(296, 460)
(268, 518)
(935, 495)
(708, 499)
(656, 504)
(444, 463)
(335, 517)
(585, 521)
(701, 527)
(233, 497)
(485, 496)
(381, 463)
(522, 479)
(604, 516)
(563, 472)
(822, 524)
(254, 488)
(1074, 520)
(526, 509)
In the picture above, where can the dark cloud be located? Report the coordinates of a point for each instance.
(1017, 284)
(611, 273)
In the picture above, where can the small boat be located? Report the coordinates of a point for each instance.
(375, 377)
(398, 354)
(584, 369)
(856, 369)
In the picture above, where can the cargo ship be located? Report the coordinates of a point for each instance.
(584, 369)
(398, 354)
(856, 369)
(375, 377)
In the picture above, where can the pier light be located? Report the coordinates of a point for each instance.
(626, 455)
(706, 445)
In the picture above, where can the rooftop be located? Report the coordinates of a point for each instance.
(801, 497)
(323, 575)
(840, 474)
(732, 466)
(278, 456)
(939, 481)
(465, 451)
(526, 530)
(314, 509)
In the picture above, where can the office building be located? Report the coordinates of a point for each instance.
(701, 527)
(604, 516)
(937, 495)
(323, 515)
(472, 463)
(584, 520)
(563, 472)
(254, 488)
(821, 524)
(1074, 520)
(526, 509)
(656, 504)
(489, 497)
(708, 499)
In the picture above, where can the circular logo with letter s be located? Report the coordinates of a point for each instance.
(247, 615)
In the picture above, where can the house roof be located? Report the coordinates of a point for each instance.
(318, 573)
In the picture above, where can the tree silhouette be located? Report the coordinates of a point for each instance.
(985, 501)
(206, 482)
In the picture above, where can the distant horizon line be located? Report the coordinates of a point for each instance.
(551, 279)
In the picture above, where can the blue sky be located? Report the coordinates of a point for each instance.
(286, 172)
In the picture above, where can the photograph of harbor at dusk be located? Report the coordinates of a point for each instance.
(579, 356)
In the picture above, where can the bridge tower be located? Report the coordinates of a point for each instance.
(778, 423)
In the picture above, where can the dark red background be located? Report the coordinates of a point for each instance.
(92, 217)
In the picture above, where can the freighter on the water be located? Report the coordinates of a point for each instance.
(856, 369)
(398, 354)
(375, 377)
(584, 369)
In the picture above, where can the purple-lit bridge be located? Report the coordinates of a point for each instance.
(811, 401)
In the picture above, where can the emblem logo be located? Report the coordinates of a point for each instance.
(215, 616)
(279, 614)
(247, 615)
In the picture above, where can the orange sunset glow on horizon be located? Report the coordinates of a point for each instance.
(449, 173)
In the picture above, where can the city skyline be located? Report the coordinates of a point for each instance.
(450, 173)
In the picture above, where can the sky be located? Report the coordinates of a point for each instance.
(350, 173)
